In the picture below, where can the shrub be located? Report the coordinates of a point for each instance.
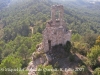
(44, 70)
(96, 71)
(68, 46)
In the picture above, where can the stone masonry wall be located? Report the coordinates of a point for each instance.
(55, 31)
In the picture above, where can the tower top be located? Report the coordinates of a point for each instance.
(57, 10)
(57, 7)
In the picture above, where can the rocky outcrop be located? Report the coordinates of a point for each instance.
(58, 58)
(38, 57)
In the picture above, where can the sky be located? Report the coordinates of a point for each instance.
(83, 0)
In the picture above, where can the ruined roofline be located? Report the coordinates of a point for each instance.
(54, 10)
(57, 6)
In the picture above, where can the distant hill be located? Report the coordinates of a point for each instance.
(4, 3)
(79, 2)
(20, 15)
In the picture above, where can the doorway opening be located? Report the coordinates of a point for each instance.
(49, 44)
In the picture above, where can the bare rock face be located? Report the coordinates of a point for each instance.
(40, 47)
(38, 57)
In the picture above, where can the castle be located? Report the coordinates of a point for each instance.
(55, 32)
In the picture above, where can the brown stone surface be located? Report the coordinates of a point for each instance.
(55, 31)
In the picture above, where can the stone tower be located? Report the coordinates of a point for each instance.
(55, 32)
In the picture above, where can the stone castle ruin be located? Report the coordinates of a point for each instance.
(55, 32)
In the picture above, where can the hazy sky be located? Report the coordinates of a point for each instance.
(83, 0)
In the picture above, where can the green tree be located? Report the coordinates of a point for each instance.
(90, 39)
(23, 51)
(44, 70)
(98, 41)
(68, 46)
(96, 71)
(80, 47)
(10, 63)
(76, 37)
(93, 54)
(7, 50)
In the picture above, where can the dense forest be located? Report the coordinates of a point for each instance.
(18, 42)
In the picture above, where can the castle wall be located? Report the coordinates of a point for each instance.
(67, 37)
(55, 32)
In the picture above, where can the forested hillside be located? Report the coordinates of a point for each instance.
(19, 16)
(36, 13)
(17, 40)
(82, 15)
(4, 3)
